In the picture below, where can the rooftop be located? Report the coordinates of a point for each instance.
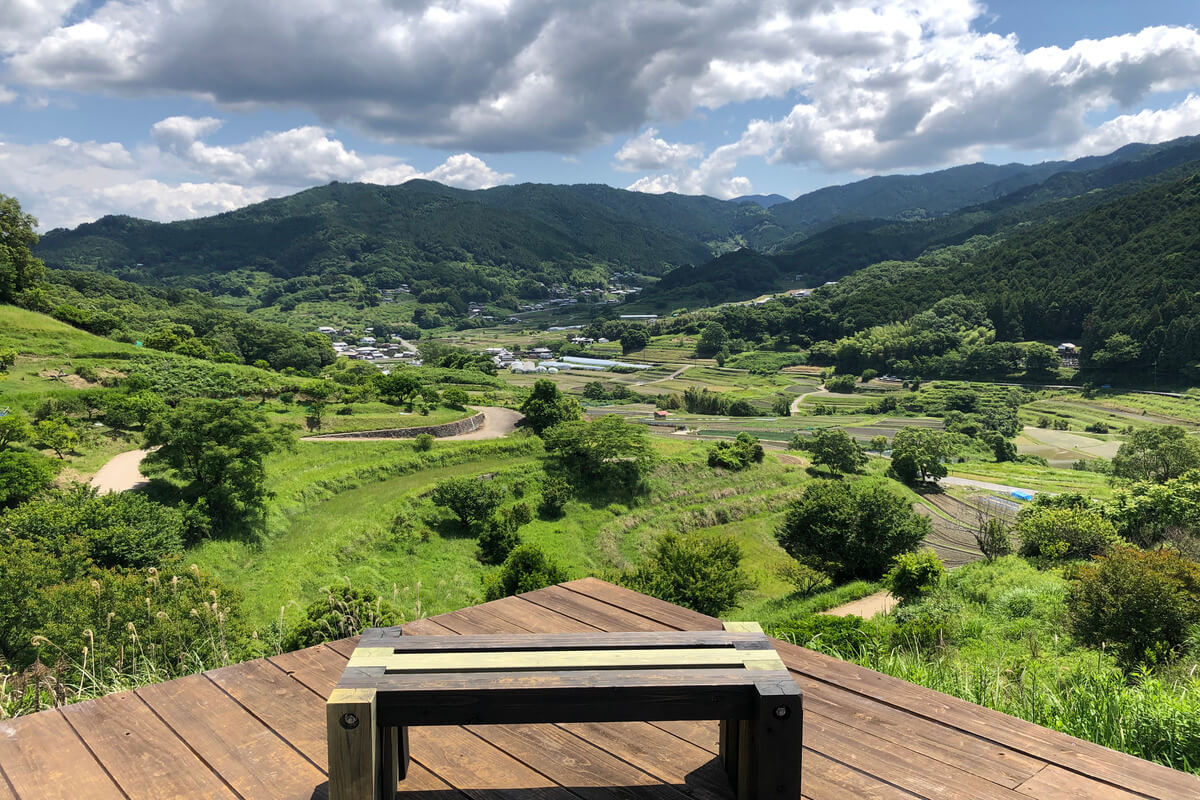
(257, 730)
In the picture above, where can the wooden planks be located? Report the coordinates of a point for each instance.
(45, 760)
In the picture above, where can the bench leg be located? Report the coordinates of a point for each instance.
(354, 745)
(772, 746)
(730, 745)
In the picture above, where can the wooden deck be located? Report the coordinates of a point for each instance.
(257, 730)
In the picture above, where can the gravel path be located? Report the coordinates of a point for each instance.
(497, 423)
(121, 473)
(865, 607)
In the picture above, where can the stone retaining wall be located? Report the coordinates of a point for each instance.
(471, 423)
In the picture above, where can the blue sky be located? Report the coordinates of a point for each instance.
(169, 109)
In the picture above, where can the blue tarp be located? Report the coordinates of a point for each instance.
(1022, 494)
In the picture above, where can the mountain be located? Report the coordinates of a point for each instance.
(764, 200)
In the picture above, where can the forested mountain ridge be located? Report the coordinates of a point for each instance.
(512, 241)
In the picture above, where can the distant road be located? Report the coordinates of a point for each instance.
(497, 423)
(121, 473)
(991, 487)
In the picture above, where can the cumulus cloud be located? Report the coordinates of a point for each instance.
(647, 151)
(6, 95)
(878, 83)
(25, 20)
(1150, 125)
(65, 182)
(713, 175)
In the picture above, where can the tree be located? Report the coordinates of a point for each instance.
(546, 407)
(712, 339)
(879, 443)
(13, 428)
(556, 493)
(1002, 449)
(19, 269)
(56, 434)
(1119, 350)
(526, 569)
(607, 451)
(1157, 454)
(844, 384)
(850, 529)
(837, 450)
(470, 499)
(697, 571)
(398, 387)
(456, 397)
(217, 448)
(1148, 513)
(1064, 533)
(594, 390)
(992, 537)
(23, 475)
(1041, 358)
(917, 453)
(781, 406)
(314, 415)
(635, 338)
(8, 357)
(1141, 604)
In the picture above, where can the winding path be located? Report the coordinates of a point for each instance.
(121, 473)
(497, 423)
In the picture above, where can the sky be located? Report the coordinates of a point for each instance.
(171, 109)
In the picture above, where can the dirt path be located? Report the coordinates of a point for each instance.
(796, 403)
(866, 607)
(991, 487)
(121, 473)
(497, 423)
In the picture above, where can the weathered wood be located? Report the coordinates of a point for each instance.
(583, 609)
(386, 638)
(354, 757)
(545, 660)
(1055, 783)
(45, 760)
(143, 756)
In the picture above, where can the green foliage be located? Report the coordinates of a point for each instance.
(850, 529)
(736, 455)
(546, 407)
(399, 386)
(844, 384)
(635, 338)
(23, 475)
(499, 536)
(606, 452)
(1002, 449)
(918, 454)
(1148, 513)
(556, 493)
(879, 443)
(470, 499)
(1157, 454)
(993, 539)
(1064, 533)
(343, 612)
(216, 448)
(55, 434)
(117, 530)
(697, 400)
(526, 569)
(835, 449)
(456, 397)
(1041, 358)
(8, 357)
(1141, 604)
(805, 580)
(696, 571)
(825, 632)
(19, 269)
(423, 442)
(713, 339)
(914, 575)
(14, 428)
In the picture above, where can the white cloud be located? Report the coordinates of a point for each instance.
(24, 20)
(647, 151)
(713, 176)
(6, 95)
(1149, 125)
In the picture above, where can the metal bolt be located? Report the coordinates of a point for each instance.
(782, 712)
(349, 721)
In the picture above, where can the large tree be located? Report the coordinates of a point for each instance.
(472, 500)
(837, 450)
(546, 407)
(608, 452)
(19, 269)
(1157, 454)
(917, 454)
(217, 447)
(851, 529)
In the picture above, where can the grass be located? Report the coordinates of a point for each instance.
(1032, 476)
(366, 417)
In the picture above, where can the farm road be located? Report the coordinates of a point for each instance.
(121, 473)
(991, 487)
(865, 607)
(497, 423)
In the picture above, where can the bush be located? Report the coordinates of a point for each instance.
(850, 530)
(736, 455)
(930, 624)
(914, 575)
(472, 500)
(556, 493)
(23, 475)
(843, 384)
(804, 579)
(1097, 427)
(1064, 533)
(840, 636)
(423, 442)
(700, 572)
(1141, 604)
(498, 538)
(456, 397)
(993, 539)
(341, 613)
(527, 568)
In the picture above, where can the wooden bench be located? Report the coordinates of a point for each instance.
(735, 676)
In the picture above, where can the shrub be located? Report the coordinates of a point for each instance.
(556, 492)
(527, 568)
(914, 575)
(423, 442)
(930, 624)
(736, 455)
(1141, 604)
(89, 374)
(1064, 533)
(843, 384)
(804, 579)
(455, 397)
(993, 538)
(344, 411)
(497, 539)
(341, 613)
(1098, 427)
(693, 570)
(472, 500)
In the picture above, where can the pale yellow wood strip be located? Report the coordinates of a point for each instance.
(558, 659)
(743, 627)
(350, 723)
(370, 656)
